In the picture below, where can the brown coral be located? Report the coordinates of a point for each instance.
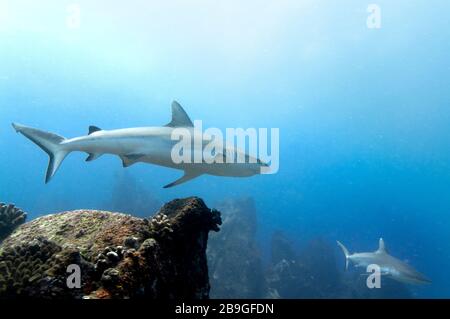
(10, 218)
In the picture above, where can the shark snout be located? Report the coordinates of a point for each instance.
(263, 164)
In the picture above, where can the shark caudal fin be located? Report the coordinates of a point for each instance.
(49, 142)
(346, 253)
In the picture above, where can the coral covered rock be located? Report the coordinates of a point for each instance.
(234, 259)
(311, 274)
(119, 256)
(10, 218)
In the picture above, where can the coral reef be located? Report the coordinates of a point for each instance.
(234, 260)
(119, 256)
(10, 218)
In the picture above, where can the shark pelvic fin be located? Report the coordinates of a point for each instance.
(382, 247)
(179, 117)
(130, 159)
(188, 175)
(92, 157)
(93, 129)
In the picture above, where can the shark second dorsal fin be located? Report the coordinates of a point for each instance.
(381, 247)
(93, 129)
(179, 117)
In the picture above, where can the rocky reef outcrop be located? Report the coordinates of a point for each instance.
(312, 273)
(10, 218)
(117, 255)
(234, 259)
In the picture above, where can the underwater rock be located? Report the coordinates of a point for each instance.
(284, 271)
(10, 218)
(281, 248)
(233, 256)
(317, 262)
(119, 256)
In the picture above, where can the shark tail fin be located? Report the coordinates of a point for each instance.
(346, 253)
(49, 143)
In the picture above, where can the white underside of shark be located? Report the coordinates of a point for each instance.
(143, 144)
(389, 265)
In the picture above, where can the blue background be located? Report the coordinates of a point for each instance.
(363, 113)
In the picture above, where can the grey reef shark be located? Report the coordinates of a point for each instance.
(389, 266)
(152, 145)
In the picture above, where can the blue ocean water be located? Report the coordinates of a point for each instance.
(363, 113)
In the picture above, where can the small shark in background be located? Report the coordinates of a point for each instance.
(144, 144)
(389, 265)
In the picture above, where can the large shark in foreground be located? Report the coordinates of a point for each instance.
(145, 144)
(389, 265)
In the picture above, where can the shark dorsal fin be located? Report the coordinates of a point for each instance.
(179, 117)
(93, 129)
(381, 247)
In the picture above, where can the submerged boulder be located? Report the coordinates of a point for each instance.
(234, 260)
(117, 255)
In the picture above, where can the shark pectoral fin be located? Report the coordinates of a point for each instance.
(130, 159)
(188, 175)
(92, 157)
